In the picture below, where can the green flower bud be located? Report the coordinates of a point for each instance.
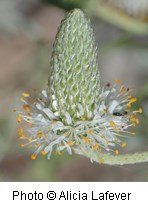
(74, 79)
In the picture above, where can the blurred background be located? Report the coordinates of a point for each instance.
(27, 32)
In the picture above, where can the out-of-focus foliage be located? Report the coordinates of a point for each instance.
(14, 18)
(68, 4)
(120, 17)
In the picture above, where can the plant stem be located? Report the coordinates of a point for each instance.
(122, 159)
(118, 159)
(117, 18)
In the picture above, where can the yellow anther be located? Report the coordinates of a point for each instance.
(33, 157)
(20, 131)
(30, 124)
(22, 145)
(59, 152)
(132, 100)
(23, 136)
(26, 108)
(43, 152)
(87, 140)
(137, 120)
(83, 118)
(21, 99)
(29, 139)
(37, 144)
(19, 118)
(123, 145)
(25, 94)
(107, 142)
(96, 146)
(101, 160)
(116, 152)
(103, 136)
(134, 119)
(140, 110)
(112, 124)
(70, 143)
(122, 90)
(117, 81)
(39, 134)
(129, 105)
(129, 96)
(91, 131)
(45, 136)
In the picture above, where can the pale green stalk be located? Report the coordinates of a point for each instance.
(119, 159)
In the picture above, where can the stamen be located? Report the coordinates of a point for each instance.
(23, 136)
(123, 145)
(91, 131)
(116, 152)
(137, 120)
(25, 94)
(122, 90)
(20, 131)
(112, 124)
(96, 146)
(33, 157)
(83, 118)
(26, 108)
(59, 152)
(132, 100)
(43, 152)
(101, 160)
(39, 134)
(140, 110)
(45, 136)
(30, 139)
(70, 143)
(87, 140)
(129, 105)
(22, 145)
(117, 81)
(19, 118)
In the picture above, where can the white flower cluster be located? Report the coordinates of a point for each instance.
(105, 132)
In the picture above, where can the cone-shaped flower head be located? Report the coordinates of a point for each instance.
(73, 63)
(75, 114)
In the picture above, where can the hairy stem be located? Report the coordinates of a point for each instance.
(118, 159)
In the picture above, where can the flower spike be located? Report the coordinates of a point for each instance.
(75, 113)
